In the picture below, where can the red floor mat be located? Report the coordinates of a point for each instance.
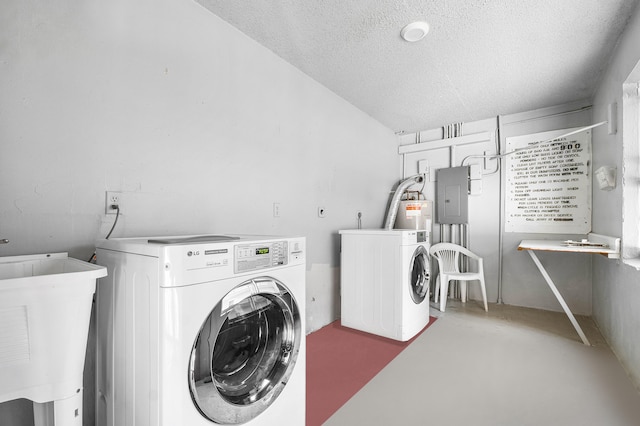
(340, 361)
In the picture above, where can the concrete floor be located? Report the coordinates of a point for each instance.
(511, 366)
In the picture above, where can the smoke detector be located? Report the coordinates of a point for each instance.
(414, 31)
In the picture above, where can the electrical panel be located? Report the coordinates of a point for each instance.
(452, 195)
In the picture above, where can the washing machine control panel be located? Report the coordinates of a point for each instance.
(252, 257)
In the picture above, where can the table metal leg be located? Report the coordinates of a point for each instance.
(555, 291)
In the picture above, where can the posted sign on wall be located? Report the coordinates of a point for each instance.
(549, 185)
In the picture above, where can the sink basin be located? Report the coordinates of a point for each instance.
(45, 307)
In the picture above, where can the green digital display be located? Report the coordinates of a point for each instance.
(262, 250)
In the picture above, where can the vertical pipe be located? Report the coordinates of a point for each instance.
(404, 166)
(501, 210)
(468, 236)
(455, 229)
(467, 244)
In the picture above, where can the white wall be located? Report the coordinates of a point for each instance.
(522, 283)
(592, 285)
(483, 208)
(616, 286)
(201, 128)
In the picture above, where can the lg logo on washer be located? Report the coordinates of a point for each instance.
(207, 252)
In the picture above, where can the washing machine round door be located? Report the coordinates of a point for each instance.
(245, 351)
(419, 275)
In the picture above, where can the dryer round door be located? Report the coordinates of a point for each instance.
(419, 275)
(245, 351)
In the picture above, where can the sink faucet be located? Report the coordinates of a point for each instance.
(4, 241)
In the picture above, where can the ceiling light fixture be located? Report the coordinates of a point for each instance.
(414, 31)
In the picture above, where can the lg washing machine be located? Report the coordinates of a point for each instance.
(384, 281)
(201, 331)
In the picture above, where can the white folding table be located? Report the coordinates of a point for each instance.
(608, 246)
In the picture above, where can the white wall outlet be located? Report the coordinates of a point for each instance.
(113, 199)
(276, 209)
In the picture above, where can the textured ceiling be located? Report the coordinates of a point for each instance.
(480, 59)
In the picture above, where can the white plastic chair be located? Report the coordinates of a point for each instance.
(448, 256)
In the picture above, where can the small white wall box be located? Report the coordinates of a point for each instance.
(475, 179)
(606, 177)
(475, 187)
(475, 171)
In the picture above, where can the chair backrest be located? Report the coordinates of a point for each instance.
(448, 256)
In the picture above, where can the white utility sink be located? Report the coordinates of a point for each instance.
(45, 307)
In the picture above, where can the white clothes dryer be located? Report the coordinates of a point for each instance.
(384, 280)
(201, 331)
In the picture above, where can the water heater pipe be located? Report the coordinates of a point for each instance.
(395, 201)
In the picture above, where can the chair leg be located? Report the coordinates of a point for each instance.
(444, 289)
(484, 294)
(436, 291)
(463, 291)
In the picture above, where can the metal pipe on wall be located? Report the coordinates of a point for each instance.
(395, 201)
(500, 211)
(557, 114)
